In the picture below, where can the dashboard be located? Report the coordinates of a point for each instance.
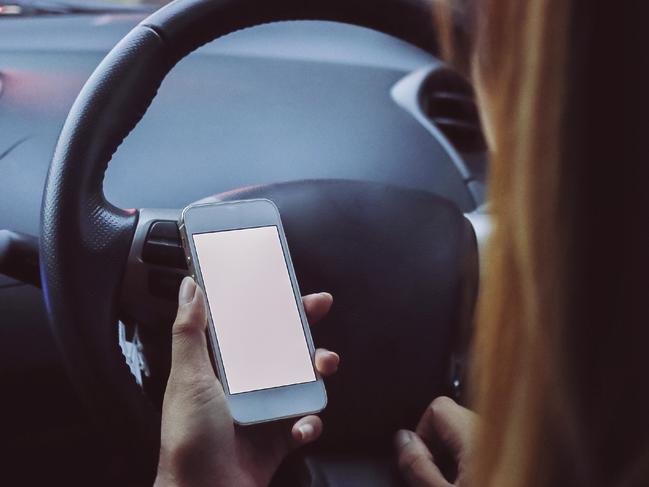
(279, 102)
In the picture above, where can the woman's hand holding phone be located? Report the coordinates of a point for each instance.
(200, 445)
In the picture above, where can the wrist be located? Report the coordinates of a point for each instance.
(164, 476)
(177, 471)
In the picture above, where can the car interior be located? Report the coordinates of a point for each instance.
(115, 116)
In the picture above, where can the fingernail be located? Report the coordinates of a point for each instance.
(326, 294)
(337, 358)
(306, 431)
(402, 438)
(187, 290)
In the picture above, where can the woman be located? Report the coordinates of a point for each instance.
(560, 371)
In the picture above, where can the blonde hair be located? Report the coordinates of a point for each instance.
(520, 64)
(537, 359)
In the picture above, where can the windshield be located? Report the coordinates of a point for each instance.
(51, 7)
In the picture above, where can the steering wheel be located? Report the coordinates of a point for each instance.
(87, 244)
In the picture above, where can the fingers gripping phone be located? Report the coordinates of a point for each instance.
(258, 333)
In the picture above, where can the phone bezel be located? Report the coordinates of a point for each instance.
(266, 404)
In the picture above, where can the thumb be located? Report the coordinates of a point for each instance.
(189, 357)
(451, 423)
(416, 462)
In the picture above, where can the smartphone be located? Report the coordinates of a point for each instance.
(258, 333)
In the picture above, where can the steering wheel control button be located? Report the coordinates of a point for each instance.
(162, 245)
(165, 230)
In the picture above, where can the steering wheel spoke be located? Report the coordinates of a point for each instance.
(156, 265)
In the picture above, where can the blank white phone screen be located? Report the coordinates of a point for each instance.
(255, 315)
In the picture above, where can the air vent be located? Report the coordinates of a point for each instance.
(447, 100)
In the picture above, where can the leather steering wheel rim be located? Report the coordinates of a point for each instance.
(85, 240)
